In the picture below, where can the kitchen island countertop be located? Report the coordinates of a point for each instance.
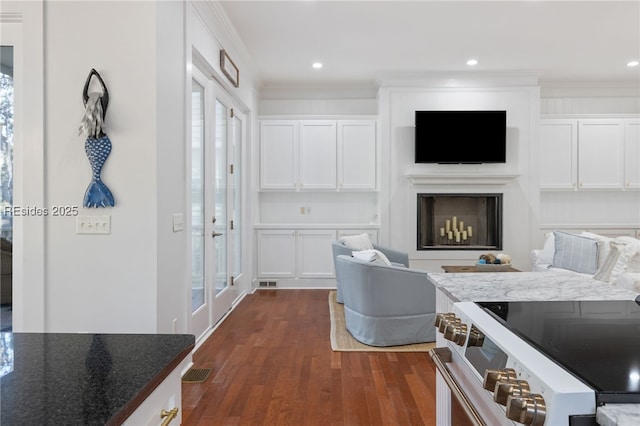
(83, 379)
(523, 286)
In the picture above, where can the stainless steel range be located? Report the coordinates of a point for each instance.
(540, 363)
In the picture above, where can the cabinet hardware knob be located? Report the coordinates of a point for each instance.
(168, 415)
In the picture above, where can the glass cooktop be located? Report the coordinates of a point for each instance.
(597, 341)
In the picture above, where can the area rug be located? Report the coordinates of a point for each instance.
(343, 341)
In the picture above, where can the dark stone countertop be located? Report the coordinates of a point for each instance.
(82, 379)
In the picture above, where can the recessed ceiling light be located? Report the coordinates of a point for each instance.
(633, 64)
(317, 65)
(472, 62)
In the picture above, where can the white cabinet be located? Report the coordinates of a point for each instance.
(632, 154)
(314, 255)
(300, 254)
(600, 154)
(318, 149)
(357, 154)
(167, 396)
(588, 154)
(276, 253)
(318, 155)
(290, 253)
(279, 154)
(558, 154)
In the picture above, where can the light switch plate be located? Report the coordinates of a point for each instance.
(178, 222)
(93, 225)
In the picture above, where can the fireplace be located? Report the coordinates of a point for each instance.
(459, 222)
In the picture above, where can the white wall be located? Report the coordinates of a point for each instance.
(595, 98)
(136, 279)
(316, 102)
(173, 267)
(105, 283)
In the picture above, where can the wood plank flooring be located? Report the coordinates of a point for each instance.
(273, 365)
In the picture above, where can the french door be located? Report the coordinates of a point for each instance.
(216, 140)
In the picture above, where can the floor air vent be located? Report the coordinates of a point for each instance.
(267, 284)
(196, 375)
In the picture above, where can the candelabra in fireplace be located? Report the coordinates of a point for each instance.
(455, 233)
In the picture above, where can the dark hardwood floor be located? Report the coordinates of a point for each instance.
(273, 365)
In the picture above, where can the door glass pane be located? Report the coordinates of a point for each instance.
(6, 186)
(220, 198)
(237, 197)
(197, 196)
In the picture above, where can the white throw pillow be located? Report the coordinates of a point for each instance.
(357, 242)
(604, 248)
(604, 272)
(629, 248)
(546, 256)
(372, 255)
(634, 263)
(576, 253)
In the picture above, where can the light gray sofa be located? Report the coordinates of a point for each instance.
(386, 305)
(339, 248)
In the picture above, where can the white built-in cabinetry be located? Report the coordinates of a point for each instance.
(318, 181)
(632, 154)
(317, 154)
(590, 153)
(300, 253)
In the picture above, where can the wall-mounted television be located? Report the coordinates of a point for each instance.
(453, 137)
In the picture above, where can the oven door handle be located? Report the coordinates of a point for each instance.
(442, 356)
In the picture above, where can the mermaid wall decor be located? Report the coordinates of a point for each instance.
(97, 146)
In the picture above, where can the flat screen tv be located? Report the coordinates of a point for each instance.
(453, 137)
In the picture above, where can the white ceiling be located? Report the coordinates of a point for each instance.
(360, 41)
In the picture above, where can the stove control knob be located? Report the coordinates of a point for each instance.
(452, 328)
(446, 322)
(491, 377)
(506, 388)
(476, 337)
(461, 335)
(456, 332)
(528, 409)
(440, 317)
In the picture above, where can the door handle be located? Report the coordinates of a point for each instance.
(215, 234)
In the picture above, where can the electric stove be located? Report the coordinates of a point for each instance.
(596, 341)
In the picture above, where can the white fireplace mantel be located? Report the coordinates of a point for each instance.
(460, 179)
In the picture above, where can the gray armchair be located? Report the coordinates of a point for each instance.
(386, 305)
(339, 248)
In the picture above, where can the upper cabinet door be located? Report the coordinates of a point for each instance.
(279, 154)
(357, 155)
(632, 154)
(558, 154)
(318, 154)
(601, 154)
